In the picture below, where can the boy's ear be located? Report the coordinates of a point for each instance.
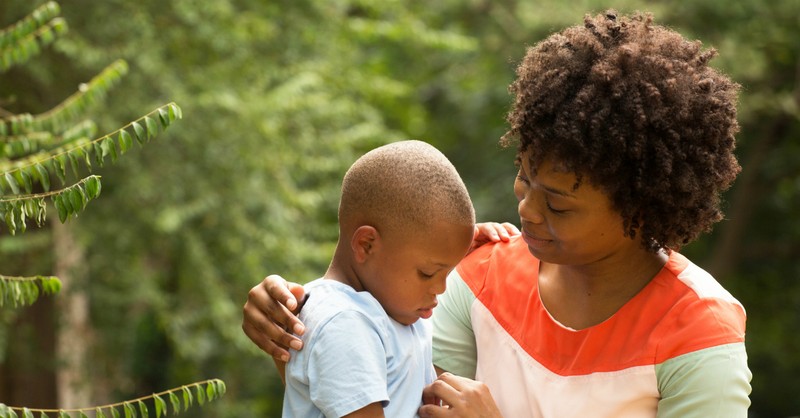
(366, 241)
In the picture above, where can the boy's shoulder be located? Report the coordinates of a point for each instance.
(327, 299)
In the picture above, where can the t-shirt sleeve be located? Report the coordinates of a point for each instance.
(347, 365)
(454, 347)
(709, 383)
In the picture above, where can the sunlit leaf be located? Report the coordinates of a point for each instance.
(143, 409)
(187, 398)
(152, 126)
(161, 406)
(125, 141)
(139, 132)
(201, 395)
(176, 403)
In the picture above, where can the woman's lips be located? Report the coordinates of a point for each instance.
(534, 241)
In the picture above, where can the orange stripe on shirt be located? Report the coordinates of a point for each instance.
(664, 320)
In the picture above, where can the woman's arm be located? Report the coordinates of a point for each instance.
(271, 305)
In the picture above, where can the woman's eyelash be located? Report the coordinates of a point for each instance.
(551, 209)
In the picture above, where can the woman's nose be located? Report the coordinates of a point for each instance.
(529, 210)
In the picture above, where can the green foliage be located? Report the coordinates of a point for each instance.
(208, 390)
(284, 95)
(25, 39)
(18, 291)
(33, 149)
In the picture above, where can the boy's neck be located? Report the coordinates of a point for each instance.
(342, 271)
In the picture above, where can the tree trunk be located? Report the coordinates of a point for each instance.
(74, 334)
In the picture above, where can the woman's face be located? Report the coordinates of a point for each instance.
(566, 225)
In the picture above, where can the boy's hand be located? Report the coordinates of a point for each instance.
(460, 397)
(269, 312)
(487, 232)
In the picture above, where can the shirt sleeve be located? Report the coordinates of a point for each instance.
(709, 383)
(454, 347)
(347, 365)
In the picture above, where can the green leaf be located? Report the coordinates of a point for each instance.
(125, 141)
(82, 415)
(98, 413)
(110, 148)
(152, 126)
(76, 199)
(63, 414)
(221, 389)
(114, 413)
(175, 112)
(11, 183)
(130, 412)
(139, 132)
(26, 413)
(99, 153)
(201, 395)
(62, 210)
(143, 409)
(211, 391)
(187, 398)
(161, 406)
(74, 155)
(93, 187)
(44, 176)
(163, 116)
(11, 222)
(176, 403)
(24, 179)
(60, 168)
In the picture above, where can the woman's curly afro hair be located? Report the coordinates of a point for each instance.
(634, 109)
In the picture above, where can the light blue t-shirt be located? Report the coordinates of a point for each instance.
(353, 355)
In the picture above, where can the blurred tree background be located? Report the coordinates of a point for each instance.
(278, 99)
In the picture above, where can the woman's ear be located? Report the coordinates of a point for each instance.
(366, 241)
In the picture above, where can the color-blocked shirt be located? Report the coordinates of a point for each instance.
(676, 349)
(354, 355)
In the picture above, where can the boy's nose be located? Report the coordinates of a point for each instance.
(439, 285)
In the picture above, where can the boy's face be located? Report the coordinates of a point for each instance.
(564, 225)
(409, 270)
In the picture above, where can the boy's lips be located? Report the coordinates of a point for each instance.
(427, 312)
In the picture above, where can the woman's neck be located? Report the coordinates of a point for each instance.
(583, 296)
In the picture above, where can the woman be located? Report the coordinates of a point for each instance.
(625, 141)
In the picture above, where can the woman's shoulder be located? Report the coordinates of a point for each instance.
(699, 312)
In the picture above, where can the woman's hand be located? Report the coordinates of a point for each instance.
(455, 396)
(487, 232)
(269, 312)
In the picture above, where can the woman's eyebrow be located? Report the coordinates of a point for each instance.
(559, 192)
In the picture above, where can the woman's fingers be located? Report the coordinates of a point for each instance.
(266, 319)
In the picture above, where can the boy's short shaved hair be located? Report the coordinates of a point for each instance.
(401, 185)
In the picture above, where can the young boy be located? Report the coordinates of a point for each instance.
(405, 221)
